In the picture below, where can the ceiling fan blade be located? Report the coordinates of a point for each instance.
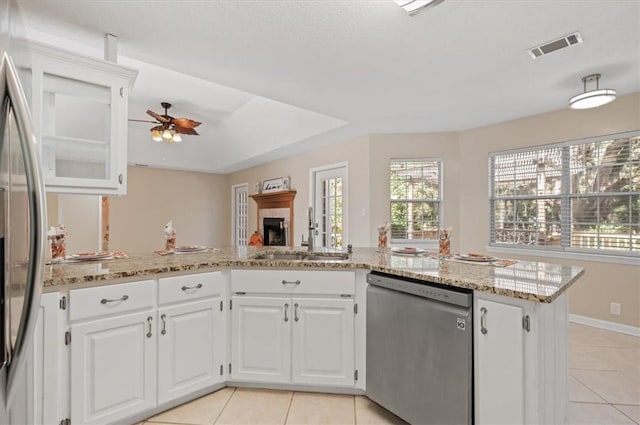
(185, 130)
(158, 127)
(152, 122)
(160, 118)
(186, 123)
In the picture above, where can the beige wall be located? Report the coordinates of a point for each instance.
(355, 152)
(442, 146)
(198, 203)
(465, 156)
(602, 283)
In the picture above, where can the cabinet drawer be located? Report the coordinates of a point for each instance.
(189, 287)
(293, 281)
(102, 300)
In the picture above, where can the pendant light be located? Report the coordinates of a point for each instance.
(592, 98)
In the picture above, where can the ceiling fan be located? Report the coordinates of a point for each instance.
(169, 128)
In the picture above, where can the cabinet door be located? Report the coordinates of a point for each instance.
(190, 348)
(500, 363)
(79, 108)
(323, 341)
(261, 343)
(113, 368)
(41, 394)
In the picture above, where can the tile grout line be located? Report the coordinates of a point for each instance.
(630, 418)
(355, 414)
(286, 417)
(225, 405)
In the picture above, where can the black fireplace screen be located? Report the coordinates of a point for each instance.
(274, 232)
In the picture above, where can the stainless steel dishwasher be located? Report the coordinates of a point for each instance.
(420, 350)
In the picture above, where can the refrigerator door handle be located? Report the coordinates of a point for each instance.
(12, 90)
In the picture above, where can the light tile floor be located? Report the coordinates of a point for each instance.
(604, 389)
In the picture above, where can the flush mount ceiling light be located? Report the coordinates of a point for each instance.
(413, 7)
(592, 98)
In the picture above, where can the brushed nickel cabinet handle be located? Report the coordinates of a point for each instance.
(295, 312)
(150, 323)
(164, 324)
(291, 282)
(115, 300)
(286, 310)
(483, 319)
(186, 288)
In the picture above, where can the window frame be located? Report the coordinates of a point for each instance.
(439, 201)
(567, 194)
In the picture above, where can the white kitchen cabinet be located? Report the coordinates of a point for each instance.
(520, 360)
(191, 333)
(293, 327)
(500, 357)
(79, 108)
(261, 342)
(323, 341)
(190, 348)
(42, 372)
(113, 368)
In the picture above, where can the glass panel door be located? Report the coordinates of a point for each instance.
(76, 129)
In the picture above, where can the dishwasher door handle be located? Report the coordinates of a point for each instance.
(483, 319)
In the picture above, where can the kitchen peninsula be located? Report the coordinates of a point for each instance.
(149, 332)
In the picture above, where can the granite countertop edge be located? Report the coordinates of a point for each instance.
(512, 281)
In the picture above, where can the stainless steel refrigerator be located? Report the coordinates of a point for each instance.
(22, 227)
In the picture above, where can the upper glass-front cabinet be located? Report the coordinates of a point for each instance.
(79, 108)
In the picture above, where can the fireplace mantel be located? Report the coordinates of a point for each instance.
(282, 199)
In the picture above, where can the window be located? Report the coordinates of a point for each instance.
(415, 189)
(579, 196)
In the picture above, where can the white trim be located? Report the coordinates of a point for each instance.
(605, 324)
(233, 210)
(345, 194)
(534, 252)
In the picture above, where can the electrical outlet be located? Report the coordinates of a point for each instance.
(615, 309)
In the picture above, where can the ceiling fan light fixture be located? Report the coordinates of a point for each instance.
(156, 135)
(166, 135)
(592, 98)
(177, 138)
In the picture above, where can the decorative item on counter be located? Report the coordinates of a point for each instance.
(383, 231)
(57, 235)
(256, 239)
(444, 246)
(169, 237)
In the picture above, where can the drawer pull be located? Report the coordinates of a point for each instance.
(295, 312)
(291, 282)
(186, 288)
(483, 320)
(164, 324)
(286, 310)
(149, 322)
(122, 298)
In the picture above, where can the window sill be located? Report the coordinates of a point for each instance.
(579, 256)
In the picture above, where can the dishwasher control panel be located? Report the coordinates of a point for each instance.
(421, 289)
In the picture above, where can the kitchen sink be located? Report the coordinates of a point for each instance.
(326, 257)
(284, 256)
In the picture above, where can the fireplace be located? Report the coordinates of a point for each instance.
(274, 231)
(278, 206)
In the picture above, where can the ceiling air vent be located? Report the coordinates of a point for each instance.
(552, 46)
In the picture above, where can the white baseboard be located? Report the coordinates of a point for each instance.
(605, 324)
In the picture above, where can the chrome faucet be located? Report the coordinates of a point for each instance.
(310, 242)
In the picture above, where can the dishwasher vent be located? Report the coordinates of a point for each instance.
(566, 41)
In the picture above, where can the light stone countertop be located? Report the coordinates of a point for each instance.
(533, 281)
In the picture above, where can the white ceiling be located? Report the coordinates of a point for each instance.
(272, 78)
